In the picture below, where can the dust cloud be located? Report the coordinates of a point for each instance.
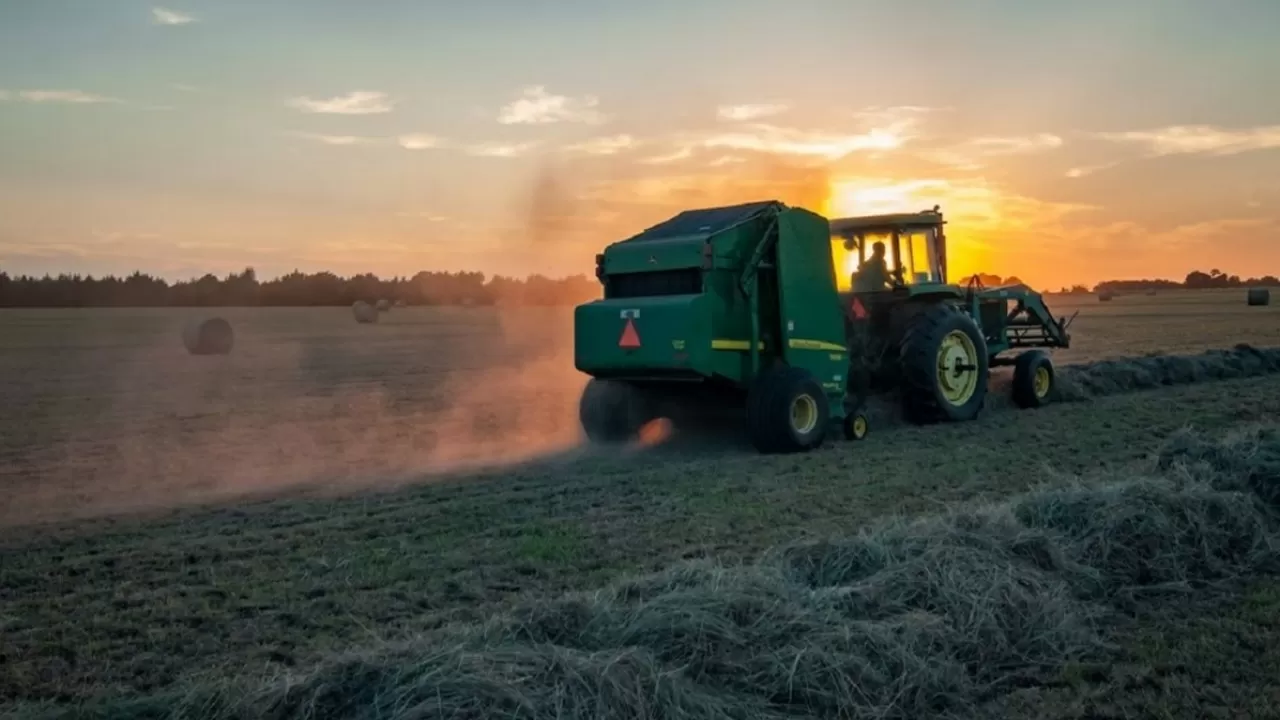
(308, 400)
(107, 414)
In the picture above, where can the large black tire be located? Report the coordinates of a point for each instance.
(937, 336)
(1034, 382)
(612, 411)
(787, 411)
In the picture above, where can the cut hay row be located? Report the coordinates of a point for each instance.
(1110, 377)
(922, 618)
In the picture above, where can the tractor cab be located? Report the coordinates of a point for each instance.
(914, 250)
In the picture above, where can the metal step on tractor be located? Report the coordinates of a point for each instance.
(732, 309)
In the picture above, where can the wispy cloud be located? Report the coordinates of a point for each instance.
(420, 141)
(70, 97)
(684, 153)
(1015, 145)
(500, 150)
(790, 141)
(611, 145)
(422, 215)
(536, 106)
(739, 113)
(1199, 139)
(359, 102)
(969, 154)
(338, 139)
(1087, 170)
(165, 16)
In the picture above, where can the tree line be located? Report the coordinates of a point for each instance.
(1195, 280)
(293, 289)
(424, 288)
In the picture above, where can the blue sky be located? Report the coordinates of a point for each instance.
(1069, 142)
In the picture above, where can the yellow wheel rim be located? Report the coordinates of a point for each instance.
(957, 367)
(804, 414)
(859, 427)
(1042, 382)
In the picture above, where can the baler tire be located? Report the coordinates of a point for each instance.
(612, 411)
(770, 404)
(923, 398)
(856, 426)
(1034, 381)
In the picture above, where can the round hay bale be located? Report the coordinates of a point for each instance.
(1106, 296)
(364, 313)
(383, 305)
(1259, 297)
(211, 336)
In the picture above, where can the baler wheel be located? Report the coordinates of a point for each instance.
(1034, 381)
(787, 411)
(945, 368)
(612, 411)
(856, 426)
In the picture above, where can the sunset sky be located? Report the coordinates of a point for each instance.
(1067, 142)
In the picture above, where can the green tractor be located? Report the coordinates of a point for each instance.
(738, 308)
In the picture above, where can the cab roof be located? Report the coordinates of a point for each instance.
(891, 221)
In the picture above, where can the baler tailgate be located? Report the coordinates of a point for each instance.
(812, 321)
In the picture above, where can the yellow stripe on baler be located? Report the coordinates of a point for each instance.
(798, 344)
(722, 344)
(794, 344)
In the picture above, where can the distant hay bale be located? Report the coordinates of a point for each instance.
(211, 336)
(1151, 292)
(364, 313)
(1106, 296)
(1259, 297)
(383, 305)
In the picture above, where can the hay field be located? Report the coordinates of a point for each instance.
(107, 412)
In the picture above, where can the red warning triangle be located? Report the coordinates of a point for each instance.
(630, 338)
(859, 311)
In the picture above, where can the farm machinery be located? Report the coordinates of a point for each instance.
(740, 308)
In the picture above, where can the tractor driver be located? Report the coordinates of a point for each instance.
(873, 273)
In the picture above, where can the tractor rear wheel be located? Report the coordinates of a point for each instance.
(612, 411)
(944, 366)
(787, 411)
(1033, 379)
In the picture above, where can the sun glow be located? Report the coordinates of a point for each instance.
(966, 210)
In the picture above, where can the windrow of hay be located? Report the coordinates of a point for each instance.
(922, 618)
(1109, 377)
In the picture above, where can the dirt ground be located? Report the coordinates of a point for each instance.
(467, 420)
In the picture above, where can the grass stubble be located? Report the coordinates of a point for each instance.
(934, 616)
(939, 616)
